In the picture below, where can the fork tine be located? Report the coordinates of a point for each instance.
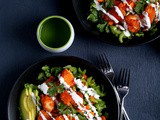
(104, 61)
(123, 87)
(128, 77)
(124, 77)
(119, 80)
(105, 67)
(107, 64)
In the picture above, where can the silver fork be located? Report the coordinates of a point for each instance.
(123, 88)
(106, 68)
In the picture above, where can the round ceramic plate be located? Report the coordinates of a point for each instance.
(82, 7)
(30, 75)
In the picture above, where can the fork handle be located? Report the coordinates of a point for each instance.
(125, 114)
(121, 109)
(124, 111)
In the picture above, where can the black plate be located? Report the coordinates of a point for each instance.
(30, 75)
(82, 10)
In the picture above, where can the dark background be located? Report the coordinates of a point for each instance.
(19, 49)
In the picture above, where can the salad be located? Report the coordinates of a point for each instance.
(125, 18)
(63, 93)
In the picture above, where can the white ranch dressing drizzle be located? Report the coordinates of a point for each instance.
(130, 8)
(127, 33)
(33, 98)
(99, 8)
(120, 27)
(156, 7)
(145, 22)
(118, 11)
(75, 96)
(50, 115)
(53, 98)
(88, 91)
(75, 116)
(125, 28)
(78, 100)
(35, 101)
(84, 88)
(65, 117)
(42, 116)
(44, 88)
(140, 22)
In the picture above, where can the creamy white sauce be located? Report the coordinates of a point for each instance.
(75, 116)
(144, 23)
(35, 101)
(78, 100)
(50, 115)
(75, 97)
(44, 88)
(53, 98)
(92, 92)
(118, 11)
(90, 104)
(129, 7)
(120, 27)
(86, 92)
(127, 33)
(42, 116)
(156, 7)
(99, 8)
(65, 117)
(84, 88)
(61, 79)
(33, 98)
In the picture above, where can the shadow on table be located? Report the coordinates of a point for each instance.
(156, 45)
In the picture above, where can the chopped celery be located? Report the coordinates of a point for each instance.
(99, 90)
(41, 76)
(72, 69)
(107, 28)
(121, 36)
(139, 34)
(81, 72)
(94, 14)
(115, 30)
(56, 70)
(100, 106)
(101, 26)
(91, 82)
(81, 117)
(46, 70)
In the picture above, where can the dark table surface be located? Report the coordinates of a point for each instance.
(20, 49)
